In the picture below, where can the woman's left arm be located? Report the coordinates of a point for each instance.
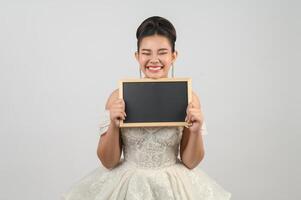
(192, 148)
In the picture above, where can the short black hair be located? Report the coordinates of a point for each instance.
(156, 25)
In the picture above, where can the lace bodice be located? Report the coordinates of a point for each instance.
(149, 147)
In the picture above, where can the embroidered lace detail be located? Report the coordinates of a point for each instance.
(153, 147)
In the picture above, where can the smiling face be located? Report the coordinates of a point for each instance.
(155, 56)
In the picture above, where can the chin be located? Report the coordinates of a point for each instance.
(155, 76)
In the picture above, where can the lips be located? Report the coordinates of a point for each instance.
(154, 68)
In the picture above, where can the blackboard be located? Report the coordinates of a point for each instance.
(155, 102)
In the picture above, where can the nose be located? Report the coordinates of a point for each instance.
(154, 60)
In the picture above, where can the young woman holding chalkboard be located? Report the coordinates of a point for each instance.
(152, 167)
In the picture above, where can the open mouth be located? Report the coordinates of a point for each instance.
(154, 68)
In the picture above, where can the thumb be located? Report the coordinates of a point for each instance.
(117, 122)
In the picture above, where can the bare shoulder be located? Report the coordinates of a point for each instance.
(196, 99)
(114, 96)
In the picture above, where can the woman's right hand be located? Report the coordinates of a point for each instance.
(117, 112)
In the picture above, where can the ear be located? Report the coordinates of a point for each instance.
(136, 55)
(174, 56)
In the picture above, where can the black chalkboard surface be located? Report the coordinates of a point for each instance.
(155, 102)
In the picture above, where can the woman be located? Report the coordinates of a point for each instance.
(159, 162)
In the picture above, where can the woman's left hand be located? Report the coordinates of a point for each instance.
(194, 117)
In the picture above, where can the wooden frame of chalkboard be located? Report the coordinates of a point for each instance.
(155, 102)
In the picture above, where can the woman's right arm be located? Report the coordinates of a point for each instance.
(109, 145)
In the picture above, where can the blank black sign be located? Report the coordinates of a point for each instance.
(156, 103)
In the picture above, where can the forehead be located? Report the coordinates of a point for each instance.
(155, 42)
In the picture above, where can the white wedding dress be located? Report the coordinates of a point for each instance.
(149, 170)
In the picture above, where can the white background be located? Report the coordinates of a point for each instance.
(60, 60)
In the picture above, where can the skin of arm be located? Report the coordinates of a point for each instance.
(110, 145)
(192, 147)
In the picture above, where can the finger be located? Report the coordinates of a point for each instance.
(188, 108)
(119, 109)
(118, 114)
(189, 124)
(194, 110)
(195, 119)
(116, 106)
(121, 112)
(197, 112)
(121, 116)
(120, 101)
(192, 118)
(116, 110)
(189, 117)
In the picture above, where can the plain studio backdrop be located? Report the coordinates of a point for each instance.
(59, 61)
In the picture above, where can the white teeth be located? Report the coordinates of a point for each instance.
(154, 68)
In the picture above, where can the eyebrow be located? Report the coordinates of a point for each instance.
(162, 49)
